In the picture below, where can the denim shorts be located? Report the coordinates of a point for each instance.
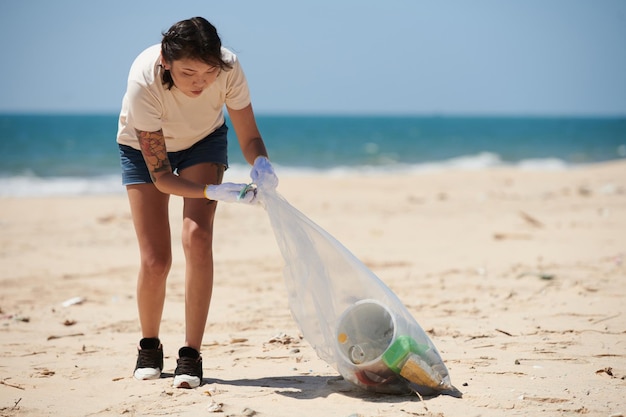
(213, 149)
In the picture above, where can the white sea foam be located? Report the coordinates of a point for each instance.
(30, 186)
(33, 186)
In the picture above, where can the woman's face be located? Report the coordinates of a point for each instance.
(191, 76)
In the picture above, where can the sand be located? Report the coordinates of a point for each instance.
(518, 277)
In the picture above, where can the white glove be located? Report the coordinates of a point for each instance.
(263, 174)
(231, 193)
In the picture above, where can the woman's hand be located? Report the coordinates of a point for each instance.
(231, 193)
(263, 174)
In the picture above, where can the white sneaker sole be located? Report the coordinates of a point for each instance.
(186, 381)
(147, 373)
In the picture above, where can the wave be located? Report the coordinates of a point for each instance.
(483, 160)
(33, 186)
(30, 186)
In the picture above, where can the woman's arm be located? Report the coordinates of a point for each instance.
(253, 147)
(248, 134)
(155, 154)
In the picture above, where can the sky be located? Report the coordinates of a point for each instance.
(423, 57)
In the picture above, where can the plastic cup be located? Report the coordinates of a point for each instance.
(365, 331)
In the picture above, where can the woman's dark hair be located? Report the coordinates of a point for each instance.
(195, 39)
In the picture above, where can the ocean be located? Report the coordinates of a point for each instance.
(77, 154)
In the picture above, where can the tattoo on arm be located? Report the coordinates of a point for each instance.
(154, 152)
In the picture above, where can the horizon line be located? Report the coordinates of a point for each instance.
(504, 115)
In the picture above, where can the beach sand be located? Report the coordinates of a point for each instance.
(518, 277)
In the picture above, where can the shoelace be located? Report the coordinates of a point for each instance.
(189, 366)
(149, 358)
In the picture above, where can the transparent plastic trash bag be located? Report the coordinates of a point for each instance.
(349, 316)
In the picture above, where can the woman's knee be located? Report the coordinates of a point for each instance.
(156, 265)
(197, 239)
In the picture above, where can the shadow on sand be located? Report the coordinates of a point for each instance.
(311, 386)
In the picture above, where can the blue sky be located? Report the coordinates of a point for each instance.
(531, 57)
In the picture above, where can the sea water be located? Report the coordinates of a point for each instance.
(45, 154)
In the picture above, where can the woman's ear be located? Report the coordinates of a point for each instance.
(164, 63)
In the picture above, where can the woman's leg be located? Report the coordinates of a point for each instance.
(197, 236)
(149, 209)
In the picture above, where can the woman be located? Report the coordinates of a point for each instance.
(172, 140)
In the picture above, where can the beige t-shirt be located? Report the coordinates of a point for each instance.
(149, 106)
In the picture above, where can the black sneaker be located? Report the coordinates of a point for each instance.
(188, 373)
(149, 359)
